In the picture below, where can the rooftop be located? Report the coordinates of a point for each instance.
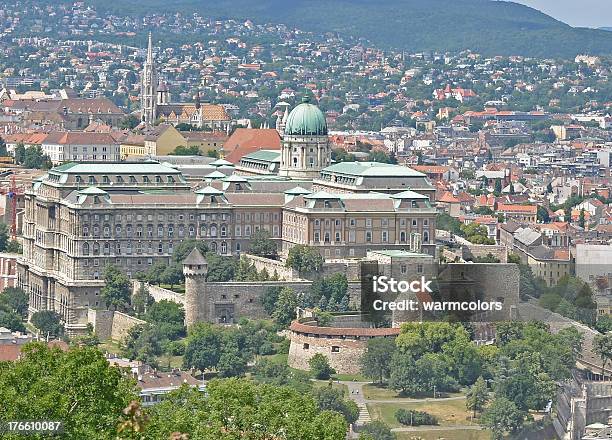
(113, 168)
(372, 169)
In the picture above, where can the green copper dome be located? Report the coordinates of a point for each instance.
(306, 119)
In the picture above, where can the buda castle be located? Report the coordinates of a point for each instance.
(79, 217)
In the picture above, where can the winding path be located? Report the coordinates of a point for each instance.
(355, 393)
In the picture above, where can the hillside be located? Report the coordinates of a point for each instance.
(489, 27)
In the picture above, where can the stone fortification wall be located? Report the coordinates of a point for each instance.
(471, 252)
(271, 266)
(109, 324)
(343, 347)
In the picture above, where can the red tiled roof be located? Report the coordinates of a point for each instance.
(527, 209)
(248, 140)
(448, 197)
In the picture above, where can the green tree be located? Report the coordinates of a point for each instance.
(12, 321)
(142, 343)
(284, 311)
(232, 407)
(203, 347)
(4, 236)
(263, 245)
(581, 219)
(478, 396)
(48, 322)
(14, 299)
(332, 399)
(78, 387)
(172, 274)
(14, 247)
(182, 150)
(602, 347)
(141, 300)
(3, 150)
(231, 363)
(129, 122)
(376, 361)
(319, 367)
(269, 298)
(117, 289)
(20, 153)
(183, 249)
(502, 416)
(304, 259)
(169, 317)
(376, 430)
(543, 215)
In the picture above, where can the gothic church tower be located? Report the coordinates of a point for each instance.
(148, 89)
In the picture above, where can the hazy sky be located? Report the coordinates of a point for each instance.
(587, 13)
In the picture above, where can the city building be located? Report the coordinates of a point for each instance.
(156, 104)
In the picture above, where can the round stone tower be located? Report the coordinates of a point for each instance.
(195, 268)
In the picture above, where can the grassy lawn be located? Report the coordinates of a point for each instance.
(449, 413)
(350, 377)
(279, 358)
(375, 392)
(167, 362)
(325, 383)
(460, 434)
(110, 346)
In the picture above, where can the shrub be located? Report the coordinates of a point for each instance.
(415, 418)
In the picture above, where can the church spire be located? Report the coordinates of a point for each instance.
(150, 51)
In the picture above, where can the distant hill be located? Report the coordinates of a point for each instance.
(489, 27)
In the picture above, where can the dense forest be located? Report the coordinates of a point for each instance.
(485, 26)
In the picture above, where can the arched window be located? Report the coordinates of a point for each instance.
(425, 236)
(403, 237)
(203, 231)
(118, 231)
(191, 230)
(213, 246)
(106, 248)
(326, 237)
(86, 231)
(213, 231)
(85, 248)
(223, 247)
(96, 248)
(160, 231)
(223, 231)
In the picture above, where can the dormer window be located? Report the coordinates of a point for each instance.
(78, 179)
(170, 179)
(327, 204)
(146, 179)
(92, 180)
(414, 204)
(119, 179)
(158, 179)
(133, 179)
(106, 180)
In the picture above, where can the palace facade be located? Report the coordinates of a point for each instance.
(82, 216)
